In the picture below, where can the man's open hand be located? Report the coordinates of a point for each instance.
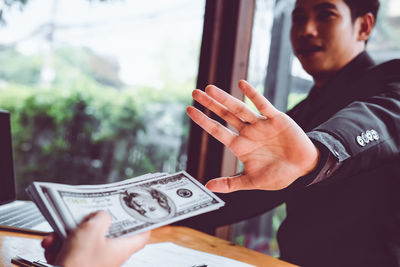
(274, 150)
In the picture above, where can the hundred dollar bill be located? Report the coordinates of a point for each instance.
(135, 205)
(39, 192)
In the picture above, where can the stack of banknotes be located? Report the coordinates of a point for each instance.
(135, 205)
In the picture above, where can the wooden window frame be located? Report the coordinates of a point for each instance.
(223, 62)
(224, 58)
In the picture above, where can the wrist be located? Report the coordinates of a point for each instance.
(315, 159)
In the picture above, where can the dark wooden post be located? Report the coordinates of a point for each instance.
(223, 62)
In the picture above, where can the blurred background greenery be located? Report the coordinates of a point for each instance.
(85, 127)
(97, 89)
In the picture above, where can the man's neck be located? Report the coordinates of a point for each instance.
(320, 79)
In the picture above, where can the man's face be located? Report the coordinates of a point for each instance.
(323, 36)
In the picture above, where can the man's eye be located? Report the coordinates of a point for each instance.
(298, 18)
(326, 15)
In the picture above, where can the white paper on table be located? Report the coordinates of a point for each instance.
(172, 255)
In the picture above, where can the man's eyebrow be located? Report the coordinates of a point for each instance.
(325, 5)
(298, 10)
(321, 6)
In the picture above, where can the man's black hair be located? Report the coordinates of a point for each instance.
(359, 8)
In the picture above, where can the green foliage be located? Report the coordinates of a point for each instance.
(81, 131)
(72, 136)
(77, 64)
(19, 68)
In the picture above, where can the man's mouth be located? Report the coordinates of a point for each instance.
(309, 49)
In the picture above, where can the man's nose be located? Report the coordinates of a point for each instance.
(309, 29)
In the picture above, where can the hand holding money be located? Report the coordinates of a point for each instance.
(87, 245)
(274, 150)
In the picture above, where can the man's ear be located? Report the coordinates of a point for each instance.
(366, 24)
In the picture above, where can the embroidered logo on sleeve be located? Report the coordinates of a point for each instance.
(364, 138)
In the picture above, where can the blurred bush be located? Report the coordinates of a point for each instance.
(72, 137)
(91, 136)
(86, 127)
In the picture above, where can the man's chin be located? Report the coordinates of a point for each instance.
(312, 61)
(313, 66)
(313, 70)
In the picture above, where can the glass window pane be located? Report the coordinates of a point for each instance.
(261, 40)
(98, 89)
(384, 43)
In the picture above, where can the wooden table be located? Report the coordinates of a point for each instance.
(12, 244)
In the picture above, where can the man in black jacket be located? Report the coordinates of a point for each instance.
(333, 159)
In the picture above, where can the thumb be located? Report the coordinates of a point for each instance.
(230, 184)
(96, 222)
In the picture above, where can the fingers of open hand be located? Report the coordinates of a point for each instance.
(237, 107)
(221, 133)
(217, 108)
(262, 104)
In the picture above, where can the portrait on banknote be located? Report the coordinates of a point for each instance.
(147, 204)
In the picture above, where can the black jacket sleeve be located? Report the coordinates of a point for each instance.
(366, 133)
(239, 206)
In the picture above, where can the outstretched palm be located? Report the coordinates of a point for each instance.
(274, 150)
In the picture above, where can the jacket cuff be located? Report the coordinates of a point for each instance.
(324, 140)
(308, 179)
